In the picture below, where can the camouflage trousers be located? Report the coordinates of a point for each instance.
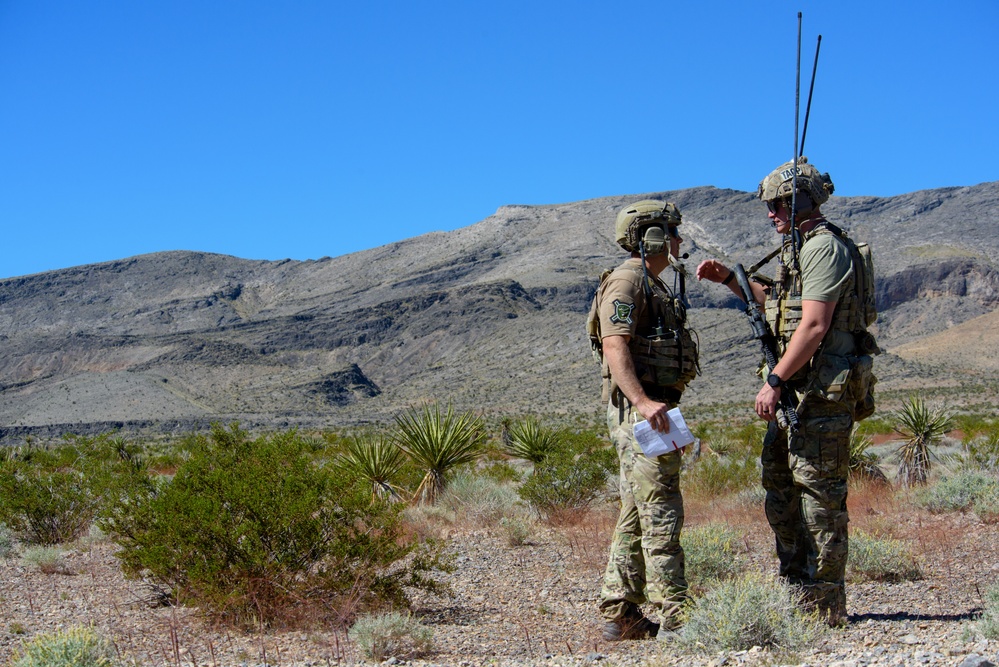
(646, 559)
(806, 485)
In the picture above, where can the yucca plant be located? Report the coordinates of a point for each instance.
(529, 439)
(438, 443)
(377, 461)
(922, 428)
(865, 465)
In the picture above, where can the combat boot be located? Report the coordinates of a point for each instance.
(633, 625)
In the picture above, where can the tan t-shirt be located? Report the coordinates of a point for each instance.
(826, 269)
(622, 300)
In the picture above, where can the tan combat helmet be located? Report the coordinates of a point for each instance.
(635, 218)
(778, 184)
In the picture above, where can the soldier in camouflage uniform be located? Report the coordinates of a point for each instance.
(813, 308)
(648, 356)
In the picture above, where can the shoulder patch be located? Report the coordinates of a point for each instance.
(622, 312)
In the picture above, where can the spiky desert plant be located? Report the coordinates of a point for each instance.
(865, 465)
(529, 439)
(377, 461)
(438, 442)
(922, 428)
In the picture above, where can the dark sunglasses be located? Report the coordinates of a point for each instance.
(673, 230)
(774, 204)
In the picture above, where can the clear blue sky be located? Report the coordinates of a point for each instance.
(271, 130)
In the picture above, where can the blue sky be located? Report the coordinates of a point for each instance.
(272, 130)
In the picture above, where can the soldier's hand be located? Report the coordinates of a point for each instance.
(766, 402)
(655, 413)
(713, 270)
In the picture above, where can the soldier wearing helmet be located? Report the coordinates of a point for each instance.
(639, 325)
(812, 309)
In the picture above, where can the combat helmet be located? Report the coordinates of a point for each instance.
(635, 218)
(778, 184)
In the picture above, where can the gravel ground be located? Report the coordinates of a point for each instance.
(535, 604)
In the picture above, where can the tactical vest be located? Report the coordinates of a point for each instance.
(663, 348)
(846, 378)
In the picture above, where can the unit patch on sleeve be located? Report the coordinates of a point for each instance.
(622, 312)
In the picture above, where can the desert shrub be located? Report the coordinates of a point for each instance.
(8, 545)
(745, 612)
(959, 492)
(51, 495)
(987, 508)
(563, 487)
(257, 530)
(714, 476)
(882, 559)
(438, 442)
(501, 471)
(48, 560)
(516, 529)
(988, 624)
(391, 635)
(480, 500)
(922, 429)
(981, 453)
(711, 553)
(74, 647)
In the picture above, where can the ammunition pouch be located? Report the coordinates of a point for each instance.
(665, 359)
(848, 380)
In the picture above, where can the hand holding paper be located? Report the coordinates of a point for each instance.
(655, 443)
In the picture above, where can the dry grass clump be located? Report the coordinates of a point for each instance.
(391, 635)
(749, 611)
(882, 559)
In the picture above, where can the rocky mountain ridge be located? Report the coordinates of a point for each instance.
(489, 317)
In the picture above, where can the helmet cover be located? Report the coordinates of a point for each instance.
(634, 218)
(779, 183)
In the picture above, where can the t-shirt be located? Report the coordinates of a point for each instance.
(826, 268)
(622, 300)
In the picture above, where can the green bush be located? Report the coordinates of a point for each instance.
(711, 553)
(260, 531)
(7, 542)
(882, 559)
(742, 613)
(564, 486)
(959, 492)
(391, 635)
(75, 647)
(52, 495)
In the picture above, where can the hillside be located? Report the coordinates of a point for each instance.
(489, 316)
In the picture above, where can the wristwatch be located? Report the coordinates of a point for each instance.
(774, 381)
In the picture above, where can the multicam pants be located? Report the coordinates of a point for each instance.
(646, 559)
(806, 485)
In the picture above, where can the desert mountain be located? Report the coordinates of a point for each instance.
(489, 316)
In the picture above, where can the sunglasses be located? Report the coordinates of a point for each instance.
(774, 205)
(673, 230)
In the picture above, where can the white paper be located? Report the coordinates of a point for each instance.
(655, 443)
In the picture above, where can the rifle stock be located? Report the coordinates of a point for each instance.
(787, 414)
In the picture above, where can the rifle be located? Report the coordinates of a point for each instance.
(787, 413)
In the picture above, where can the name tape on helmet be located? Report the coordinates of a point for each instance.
(790, 172)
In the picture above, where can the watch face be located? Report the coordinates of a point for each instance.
(773, 380)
